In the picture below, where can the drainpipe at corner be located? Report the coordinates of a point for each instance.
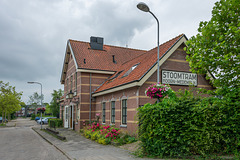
(90, 109)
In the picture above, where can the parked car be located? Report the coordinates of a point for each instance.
(3, 119)
(44, 120)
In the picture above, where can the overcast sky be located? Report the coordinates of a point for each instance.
(34, 33)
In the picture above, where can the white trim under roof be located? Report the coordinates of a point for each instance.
(71, 51)
(66, 60)
(95, 71)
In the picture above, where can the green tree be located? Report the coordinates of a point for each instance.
(10, 100)
(35, 99)
(54, 106)
(48, 110)
(216, 47)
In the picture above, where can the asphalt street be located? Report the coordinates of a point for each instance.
(23, 140)
(20, 142)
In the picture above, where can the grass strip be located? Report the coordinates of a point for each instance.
(54, 135)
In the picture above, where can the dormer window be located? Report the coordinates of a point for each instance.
(110, 80)
(130, 70)
(133, 67)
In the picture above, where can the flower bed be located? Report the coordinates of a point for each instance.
(107, 134)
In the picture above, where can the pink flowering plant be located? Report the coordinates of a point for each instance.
(41, 109)
(113, 134)
(101, 134)
(98, 117)
(105, 134)
(95, 127)
(158, 90)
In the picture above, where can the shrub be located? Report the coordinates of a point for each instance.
(33, 116)
(104, 134)
(190, 125)
(57, 122)
(87, 133)
(131, 139)
(102, 141)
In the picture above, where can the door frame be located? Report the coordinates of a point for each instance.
(66, 113)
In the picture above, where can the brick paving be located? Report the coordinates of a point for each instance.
(78, 147)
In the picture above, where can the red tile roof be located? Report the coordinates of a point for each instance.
(146, 61)
(102, 59)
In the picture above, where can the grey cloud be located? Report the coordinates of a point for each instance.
(33, 34)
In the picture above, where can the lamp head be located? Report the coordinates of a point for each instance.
(143, 7)
(70, 95)
(30, 82)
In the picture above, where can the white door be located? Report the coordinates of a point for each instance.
(66, 117)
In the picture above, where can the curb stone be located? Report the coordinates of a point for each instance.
(64, 153)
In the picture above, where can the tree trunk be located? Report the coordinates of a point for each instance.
(2, 116)
(5, 116)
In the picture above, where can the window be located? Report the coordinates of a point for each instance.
(103, 112)
(130, 70)
(124, 111)
(114, 77)
(113, 112)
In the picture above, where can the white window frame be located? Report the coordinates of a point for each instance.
(111, 115)
(122, 112)
(104, 111)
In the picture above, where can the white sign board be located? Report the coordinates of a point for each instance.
(179, 78)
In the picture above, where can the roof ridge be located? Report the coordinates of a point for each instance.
(155, 47)
(169, 40)
(125, 48)
(110, 45)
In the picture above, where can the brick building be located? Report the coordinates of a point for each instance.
(112, 80)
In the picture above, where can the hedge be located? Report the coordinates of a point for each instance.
(58, 122)
(189, 125)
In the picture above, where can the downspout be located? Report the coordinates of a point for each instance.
(90, 109)
(138, 97)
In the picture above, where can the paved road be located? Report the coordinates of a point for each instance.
(22, 143)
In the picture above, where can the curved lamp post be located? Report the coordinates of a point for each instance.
(41, 97)
(144, 7)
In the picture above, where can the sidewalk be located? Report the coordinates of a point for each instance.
(78, 147)
(11, 123)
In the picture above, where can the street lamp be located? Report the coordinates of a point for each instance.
(144, 7)
(76, 101)
(70, 97)
(41, 97)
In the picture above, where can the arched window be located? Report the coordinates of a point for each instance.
(113, 112)
(104, 112)
(124, 111)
